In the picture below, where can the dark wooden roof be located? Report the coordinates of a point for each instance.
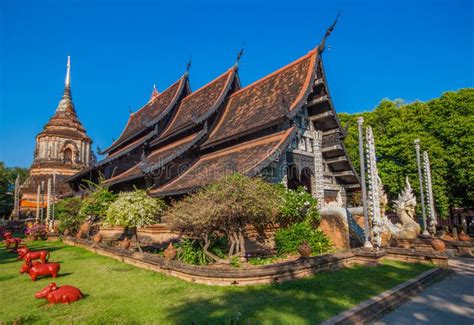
(199, 105)
(151, 113)
(247, 158)
(157, 159)
(266, 102)
(129, 147)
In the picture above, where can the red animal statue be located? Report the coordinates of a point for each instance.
(7, 235)
(39, 269)
(63, 294)
(27, 255)
(10, 240)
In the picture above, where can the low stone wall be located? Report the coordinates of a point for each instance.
(461, 248)
(417, 256)
(227, 275)
(158, 233)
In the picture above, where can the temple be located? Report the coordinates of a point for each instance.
(62, 149)
(282, 127)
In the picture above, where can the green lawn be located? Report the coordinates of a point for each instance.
(120, 293)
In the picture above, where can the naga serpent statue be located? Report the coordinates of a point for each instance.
(405, 207)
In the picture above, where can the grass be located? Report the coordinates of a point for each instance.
(122, 294)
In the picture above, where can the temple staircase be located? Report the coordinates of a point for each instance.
(356, 233)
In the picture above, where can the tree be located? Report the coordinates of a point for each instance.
(226, 208)
(8, 177)
(134, 210)
(443, 125)
(67, 212)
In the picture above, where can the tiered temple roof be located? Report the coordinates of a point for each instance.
(221, 128)
(266, 102)
(248, 158)
(199, 105)
(62, 149)
(150, 114)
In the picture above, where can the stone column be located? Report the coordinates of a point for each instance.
(87, 154)
(42, 202)
(38, 194)
(318, 168)
(53, 198)
(367, 242)
(56, 149)
(373, 180)
(429, 193)
(81, 152)
(420, 179)
(48, 204)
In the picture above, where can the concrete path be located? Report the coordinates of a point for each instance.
(450, 301)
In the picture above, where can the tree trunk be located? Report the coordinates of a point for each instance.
(138, 241)
(216, 258)
(232, 246)
(242, 243)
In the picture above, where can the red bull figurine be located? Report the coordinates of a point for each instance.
(27, 255)
(39, 269)
(60, 295)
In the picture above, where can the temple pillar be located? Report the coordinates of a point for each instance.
(318, 179)
(87, 154)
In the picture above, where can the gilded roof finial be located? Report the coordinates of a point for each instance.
(188, 66)
(154, 92)
(68, 72)
(239, 55)
(66, 104)
(322, 45)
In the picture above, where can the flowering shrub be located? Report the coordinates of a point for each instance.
(134, 210)
(37, 230)
(297, 206)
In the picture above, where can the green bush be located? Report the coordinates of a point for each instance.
(190, 251)
(67, 212)
(97, 201)
(297, 206)
(287, 240)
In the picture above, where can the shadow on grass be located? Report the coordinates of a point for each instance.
(307, 300)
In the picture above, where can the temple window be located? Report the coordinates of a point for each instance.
(311, 143)
(68, 155)
(294, 143)
(302, 144)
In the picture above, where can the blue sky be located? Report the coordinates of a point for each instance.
(119, 49)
